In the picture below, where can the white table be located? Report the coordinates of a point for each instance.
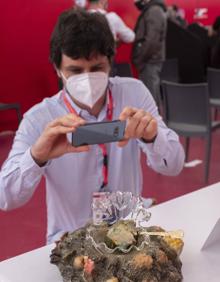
(196, 213)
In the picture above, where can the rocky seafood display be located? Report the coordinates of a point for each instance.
(121, 252)
(118, 247)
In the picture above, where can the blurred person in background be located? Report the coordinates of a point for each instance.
(215, 44)
(176, 15)
(80, 4)
(81, 51)
(148, 51)
(120, 31)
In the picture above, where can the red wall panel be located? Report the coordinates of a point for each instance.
(202, 11)
(26, 75)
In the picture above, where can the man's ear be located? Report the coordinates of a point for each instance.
(57, 71)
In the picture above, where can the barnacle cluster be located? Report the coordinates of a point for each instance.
(121, 252)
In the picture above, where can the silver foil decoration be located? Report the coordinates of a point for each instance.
(111, 207)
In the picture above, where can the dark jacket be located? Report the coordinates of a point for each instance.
(215, 54)
(149, 45)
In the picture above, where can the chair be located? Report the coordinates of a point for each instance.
(187, 111)
(170, 70)
(12, 106)
(213, 77)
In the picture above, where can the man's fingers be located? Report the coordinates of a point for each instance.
(72, 149)
(133, 123)
(67, 121)
(123, 143)
(127, 112)
(151, 130)
(140, 124)
(143, 125)
(61, 130)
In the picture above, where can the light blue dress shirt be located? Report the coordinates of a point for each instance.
(72, 178)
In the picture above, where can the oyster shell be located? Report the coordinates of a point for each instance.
(129, 257)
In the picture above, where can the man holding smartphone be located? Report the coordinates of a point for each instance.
(81, 50)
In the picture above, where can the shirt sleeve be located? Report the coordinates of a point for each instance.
(165, 155)
(20, 175)
(122, 31)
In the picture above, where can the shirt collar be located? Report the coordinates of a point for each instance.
(98, 10)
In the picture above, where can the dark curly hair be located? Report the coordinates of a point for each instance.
(80, 34)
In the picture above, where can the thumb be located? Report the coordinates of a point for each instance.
(72, 149)
(123, 143)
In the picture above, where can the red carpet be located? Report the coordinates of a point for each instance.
(24, 229)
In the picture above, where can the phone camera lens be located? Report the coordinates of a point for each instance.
(116, 131)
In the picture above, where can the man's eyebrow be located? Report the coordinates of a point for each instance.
(73, 68)
(98, 65)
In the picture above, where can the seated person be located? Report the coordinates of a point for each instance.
(81, 50)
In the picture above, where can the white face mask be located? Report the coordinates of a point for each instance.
(87, 88)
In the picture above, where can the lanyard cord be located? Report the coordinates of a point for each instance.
(109, 115)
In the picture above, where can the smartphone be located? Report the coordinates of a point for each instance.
(98, 133)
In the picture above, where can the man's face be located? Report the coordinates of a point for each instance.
(70, 67)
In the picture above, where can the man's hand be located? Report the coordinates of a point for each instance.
(53, 141)
(140, 124)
